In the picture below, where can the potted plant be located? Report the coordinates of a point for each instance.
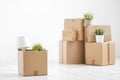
(38, 47)
(88, 18)
(99, 34)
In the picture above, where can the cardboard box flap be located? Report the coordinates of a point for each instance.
(69, 35)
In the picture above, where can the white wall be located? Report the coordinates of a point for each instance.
(42, 21)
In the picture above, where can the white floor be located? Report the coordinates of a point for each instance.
(66, 72)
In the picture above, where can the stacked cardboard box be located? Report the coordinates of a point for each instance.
(78, 39)
(76, 25)
(99, 53)
(71, 52)
(72, 46)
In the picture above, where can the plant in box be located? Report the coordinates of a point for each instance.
(32, 62)
(38, 47)
(99, 34)
(88, 18)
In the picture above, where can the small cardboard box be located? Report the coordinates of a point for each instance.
(75, 24)
(89, 35)
(69, 35)
(32, 63)
(100, 53)
(71, 52)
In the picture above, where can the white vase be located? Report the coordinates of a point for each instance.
(22, 42)
(87, 22)
(100, 38)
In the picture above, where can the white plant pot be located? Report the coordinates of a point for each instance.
(100, 38)
(22, 43)
(87, 22)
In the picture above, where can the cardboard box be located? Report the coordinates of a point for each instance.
(69, 35)
(111, 52)
(71, 52)
(100, 53)
(96, 53)
(32, 63)
(75, 24)
(90, 36)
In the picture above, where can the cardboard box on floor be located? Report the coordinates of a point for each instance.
(32, 63)
(71, 52)
(89, 35)
(69, 35)
(75, 24)
(100, 53)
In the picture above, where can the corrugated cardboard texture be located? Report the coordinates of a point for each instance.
(72, 52)
(75, 24)
(96, 53)
(90, 36)
(111, 54)
(32, 63)
(69, 35)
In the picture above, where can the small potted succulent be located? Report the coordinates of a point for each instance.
(38, 47)
(99, 34)
(88, 18)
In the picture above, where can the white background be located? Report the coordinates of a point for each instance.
(43, 21)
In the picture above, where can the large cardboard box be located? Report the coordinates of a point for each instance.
(96, 53)
(75, 24)
(69, 35)
(71, 52)
(32, 63)
(89, 35)
(111, 52)
(100, 53)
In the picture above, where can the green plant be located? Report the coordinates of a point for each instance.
(99, 31)
(88, 16)
(38, 47)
